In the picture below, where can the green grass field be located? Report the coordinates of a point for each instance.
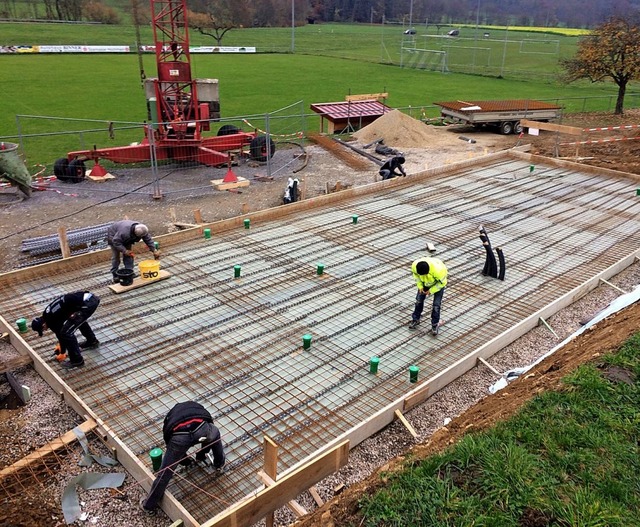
(568, 458)
(330, 61)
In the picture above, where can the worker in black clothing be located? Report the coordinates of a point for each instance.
(388, 170)
(187, 424)
(64, 316)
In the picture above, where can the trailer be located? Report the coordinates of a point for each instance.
(504, 116)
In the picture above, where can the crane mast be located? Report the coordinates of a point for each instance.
(177, 108)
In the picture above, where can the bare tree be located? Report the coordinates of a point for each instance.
(612, 51)
(216, 22)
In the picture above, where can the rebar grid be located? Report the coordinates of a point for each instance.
(235, 345)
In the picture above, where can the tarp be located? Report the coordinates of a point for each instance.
(617, 305)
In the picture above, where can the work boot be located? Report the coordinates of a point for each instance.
(68, 365)
(87, 345)
(147, 511)
(220, 470)
(435, 330)
(414, 324)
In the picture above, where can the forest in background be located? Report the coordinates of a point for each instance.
(277, 13)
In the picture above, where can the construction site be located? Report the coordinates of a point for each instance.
(271, 318)
(288, 321)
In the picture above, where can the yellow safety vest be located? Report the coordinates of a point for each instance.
(435, 279)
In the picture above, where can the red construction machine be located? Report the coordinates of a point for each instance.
(179, 110)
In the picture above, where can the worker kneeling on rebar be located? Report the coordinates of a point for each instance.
(64, 316)
(388, 169)
(187, 424)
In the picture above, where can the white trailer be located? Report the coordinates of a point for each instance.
(505, 116)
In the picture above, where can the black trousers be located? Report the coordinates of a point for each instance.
(78, 321)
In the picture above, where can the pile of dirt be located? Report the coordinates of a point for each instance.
(400, 130)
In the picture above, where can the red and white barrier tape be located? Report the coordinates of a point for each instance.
(601, 141)
(605, 128)
(299, 135)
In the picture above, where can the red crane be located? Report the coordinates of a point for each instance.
(179, 108)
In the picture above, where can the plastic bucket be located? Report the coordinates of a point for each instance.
(126, 276)
(149, 269)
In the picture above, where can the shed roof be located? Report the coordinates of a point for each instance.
(350, 109)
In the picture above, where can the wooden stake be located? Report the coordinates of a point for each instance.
(197, 216)
(480, 359)
(172, 212)
(614, 286)
(314, 494)
(406, 423)
(64, 243)
(544, 323)
(270, 468)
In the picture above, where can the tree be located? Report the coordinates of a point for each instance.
(214, 20)
(611, 51)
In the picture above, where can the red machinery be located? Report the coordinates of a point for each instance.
(180, 109)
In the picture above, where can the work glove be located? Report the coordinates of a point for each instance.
(59, 354)
(156, 255)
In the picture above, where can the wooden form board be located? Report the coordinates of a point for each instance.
(219, 184)
(50, 447)
(367, 96)
(139, 282)
(14, 364)
(551, 127)
(258, 505)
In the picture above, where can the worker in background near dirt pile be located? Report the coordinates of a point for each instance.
(121, 235)
(388, 170)
(430, 275)
(187, 424)
(64, 316)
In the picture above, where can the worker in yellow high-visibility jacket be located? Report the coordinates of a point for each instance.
(430, 275)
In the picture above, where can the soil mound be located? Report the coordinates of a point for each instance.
(399, 130)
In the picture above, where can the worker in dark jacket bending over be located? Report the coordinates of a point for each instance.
(430, 275)
(388, 169)
(187, 424)
(64, 316)
(121, 236)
